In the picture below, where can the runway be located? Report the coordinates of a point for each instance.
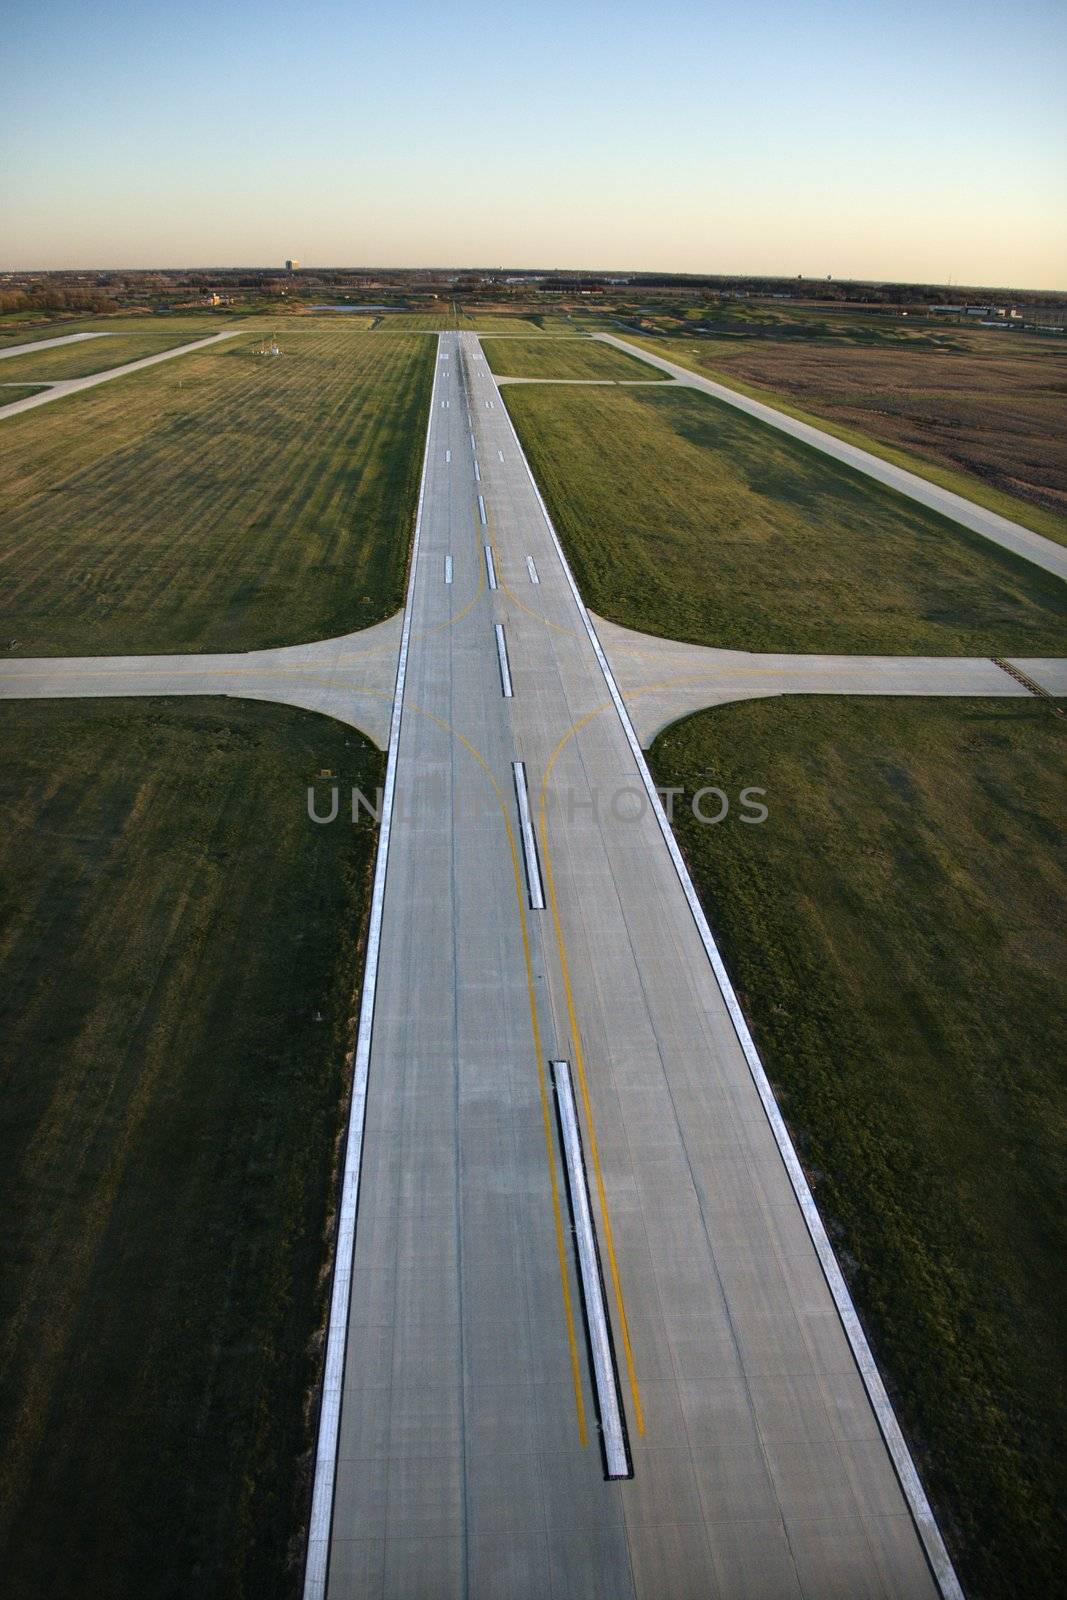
(596, 1344)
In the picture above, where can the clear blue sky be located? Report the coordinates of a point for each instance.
(899, 140)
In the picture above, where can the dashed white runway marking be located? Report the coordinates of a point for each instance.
(529, 843)
(609, 1405)
(532, 570)
(448, 569)
(502, 660)
(481, 510)
(490, 566)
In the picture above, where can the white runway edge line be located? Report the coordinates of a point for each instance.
(502, 658)
(605, 1373)
(532, 570)
(490, 565)
(318, 1546)
(914, 1493)
(529, 843)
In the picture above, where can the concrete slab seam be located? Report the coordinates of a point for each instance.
(320, 1521)
(919, 1506)
(617, 1463)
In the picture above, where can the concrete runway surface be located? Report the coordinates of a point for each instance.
(35, 345)
(349, 678)
(590, 1338)
(1010, 535)
(532, 915)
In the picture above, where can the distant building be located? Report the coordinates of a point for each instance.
(292, 266)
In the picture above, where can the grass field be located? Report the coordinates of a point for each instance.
(448, 320)
(978, 411)
(179, 965)
(217, 502)
(96, 355)
(684, 518)
(179, 329)
(18, 391)
(895, 932)
(565, 358)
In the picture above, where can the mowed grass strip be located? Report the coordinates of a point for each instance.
(221, 501)
(182, 328)
(96, 355)
(980, 413)
(895, 932)
(572, 357)
(179, 966)
(686, 519)
(18, 391)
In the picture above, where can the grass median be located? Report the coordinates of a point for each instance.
(894, 933)
(179, 966)
(684, 518)
(19, 391)
(572, 357)
(977, 411)
(221, 501)
(101, 354)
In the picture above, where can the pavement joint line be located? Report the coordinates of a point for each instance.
(490, 565)
(613, 1440)
(579, 1064)
(534, 885)
(915, 1496)
(325, 1469)
(502, 658)
(535, 1027)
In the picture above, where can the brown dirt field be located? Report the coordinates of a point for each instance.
(993, 404)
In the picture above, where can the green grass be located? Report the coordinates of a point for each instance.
(221, 501)
(565, 358)
(982, 421)
(895, 932)
(178, 329)
(448, 320)
(179, 967)
(96, 355)
(18, 391)
(683, 517)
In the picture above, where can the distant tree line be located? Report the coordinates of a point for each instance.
(45, 297)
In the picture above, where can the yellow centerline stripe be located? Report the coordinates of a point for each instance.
(546, 1117)
(579, 1064)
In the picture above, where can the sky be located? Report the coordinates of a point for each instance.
(919, 142)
